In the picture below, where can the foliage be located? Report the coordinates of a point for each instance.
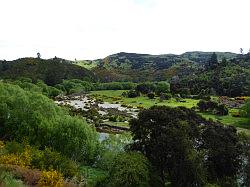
(212, 106)
(52, 71)
(110, 148)
(39, 86)
(223, 153)
(151, 95)
(246, 109)
(146, 87)
(185, 140)
(35, 117)
(144, 67)
(48, 159)
(245, 172)
(26, 156)
(51, 178)
(22, 159)
(114, 86)
(162, 87)
(75, 86)
(28, 176)
(93, 176)
(231, 80)
(129, 169)
(165, 96)
(8, 180)
(213, 61)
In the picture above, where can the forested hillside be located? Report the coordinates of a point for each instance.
(144, 67)
(51, 71)
(191, 73)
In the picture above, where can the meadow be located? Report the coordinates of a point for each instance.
(115, 96)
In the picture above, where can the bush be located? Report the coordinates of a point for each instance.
(48, 159)
(51, 178)
(221, 109)
(165, 96)
(22, 159)
(133, 94)
(151, 95)
(129, 169)
(28, 176)
(211, 106)
(8, 180)
(75, 86)
(145, 88)
(245, 110)
(162, 87)
(34, 117)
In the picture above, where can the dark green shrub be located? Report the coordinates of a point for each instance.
(212, 106)
(151, 95)
(165, 96)
(129, 169)
(133, 93)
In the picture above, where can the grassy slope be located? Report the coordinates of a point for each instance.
(146, 103)
(86, 64)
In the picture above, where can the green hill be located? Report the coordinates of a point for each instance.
(51, 71)
(144, 67)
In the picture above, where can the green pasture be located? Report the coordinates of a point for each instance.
(115, 96)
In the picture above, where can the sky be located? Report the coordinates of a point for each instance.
(92, 29)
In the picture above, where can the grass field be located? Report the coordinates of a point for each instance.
(116, 96)
(142, 101)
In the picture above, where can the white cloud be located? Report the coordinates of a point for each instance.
(89, 29)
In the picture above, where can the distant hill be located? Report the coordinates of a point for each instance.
(140, 67)
(51, 71)
(203, 57)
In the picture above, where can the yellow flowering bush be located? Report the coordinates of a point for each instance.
(23, 159)
(51, 178)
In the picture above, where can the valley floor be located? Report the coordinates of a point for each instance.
(115, 96)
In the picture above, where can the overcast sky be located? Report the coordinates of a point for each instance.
(90, 29)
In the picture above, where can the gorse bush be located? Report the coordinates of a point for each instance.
(41, 122)
(23, 155)
(21, 158)
(51, 178)
(48, 159)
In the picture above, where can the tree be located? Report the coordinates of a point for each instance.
(38, 55)
(223, 153)
(223, 62)
(213, 62)
(162, 87)
(178, 142)
(37, 119)
(241, 51)
(167, 136)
